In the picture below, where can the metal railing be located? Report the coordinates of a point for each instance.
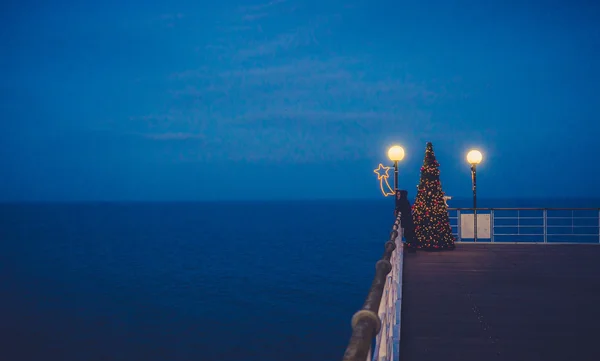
(528, 225)
(379, 317)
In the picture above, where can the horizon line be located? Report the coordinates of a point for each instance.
(249, 200)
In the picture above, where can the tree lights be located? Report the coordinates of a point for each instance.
(430, 213)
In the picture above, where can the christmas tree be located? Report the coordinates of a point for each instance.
(430, 213)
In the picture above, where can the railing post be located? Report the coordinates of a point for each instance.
(572, 222)
(518, 222)
(492, 225)
(545, 215)
(458, 225)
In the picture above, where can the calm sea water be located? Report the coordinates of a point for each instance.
(189, 281)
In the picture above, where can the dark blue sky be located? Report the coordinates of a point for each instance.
(189, 100)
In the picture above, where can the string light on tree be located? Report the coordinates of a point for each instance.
(430, 212)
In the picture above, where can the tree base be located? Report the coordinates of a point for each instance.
(438, 248)
(410, 248)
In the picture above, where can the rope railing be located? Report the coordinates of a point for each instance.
(366, 323)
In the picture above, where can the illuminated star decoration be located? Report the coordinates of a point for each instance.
(382, 177)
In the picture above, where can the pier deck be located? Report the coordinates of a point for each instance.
(486, 302)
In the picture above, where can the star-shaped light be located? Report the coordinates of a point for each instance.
(381, 169)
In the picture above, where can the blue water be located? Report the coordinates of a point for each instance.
(205, 281)
(195, 281)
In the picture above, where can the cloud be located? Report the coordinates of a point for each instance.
(171, 16)
(236, 28)
(258, 7)
(249, 17)
(276, 145)
(152, 117)
(281, 42)
(302, 81)
(321, 117)
(269, 96)
(191, 73)
(306, 92)
(253, 17)
(169, 19)
(174, 136)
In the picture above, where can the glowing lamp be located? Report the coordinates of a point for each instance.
(396, 153)
(474, 157)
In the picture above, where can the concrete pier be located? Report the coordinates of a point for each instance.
(502, 302)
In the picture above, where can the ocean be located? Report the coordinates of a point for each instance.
(190, 281)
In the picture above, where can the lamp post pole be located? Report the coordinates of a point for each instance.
(396, 154)
(474, 157)
(395, 176)
(474, 181)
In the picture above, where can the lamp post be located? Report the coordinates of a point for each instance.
(474, 157)
(396, 154)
